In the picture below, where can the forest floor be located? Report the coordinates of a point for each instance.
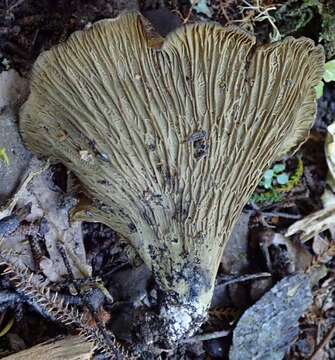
(291, 190)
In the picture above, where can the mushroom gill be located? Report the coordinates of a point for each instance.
(170, 137)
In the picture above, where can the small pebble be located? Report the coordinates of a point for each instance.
(8, 225)
(215, 349)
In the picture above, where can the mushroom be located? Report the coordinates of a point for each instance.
(170, 137)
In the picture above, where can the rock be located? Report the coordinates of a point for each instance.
(8, 225)
(259, 287)
(13, 90)
(266, 329)
(234, 260)
(10, 141)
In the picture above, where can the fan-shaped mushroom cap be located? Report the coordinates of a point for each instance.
(171, 137)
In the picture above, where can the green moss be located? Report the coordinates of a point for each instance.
(268, 197)
(294, 179)
(328, 34)
(3, 156)
(294, 15)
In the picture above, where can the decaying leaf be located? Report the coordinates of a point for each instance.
(320, 245)
(328, 197)
(282, 256)
(69, 348)
(176, 135)
(48, 216)
(321, 220)
(313, 224)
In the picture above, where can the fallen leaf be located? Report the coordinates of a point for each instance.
(320, 245)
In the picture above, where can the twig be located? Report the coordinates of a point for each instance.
(281, 214)
(187, 18)
(193, 3)
(323, 343)
(31, 285)
(232, 279)
(7, 209)
(16, 4)
(259, 12)
(106, 336)
(210, 336)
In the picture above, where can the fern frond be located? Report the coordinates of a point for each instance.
(38, 291)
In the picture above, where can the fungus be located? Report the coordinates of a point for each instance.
(170, 137)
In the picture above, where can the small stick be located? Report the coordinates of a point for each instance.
(66, 262)
(187, 18)
(281, 214)
(210, 336)
(232, 279)
(108, 338)
(274, 213)
(323, 343)
(16, 4)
